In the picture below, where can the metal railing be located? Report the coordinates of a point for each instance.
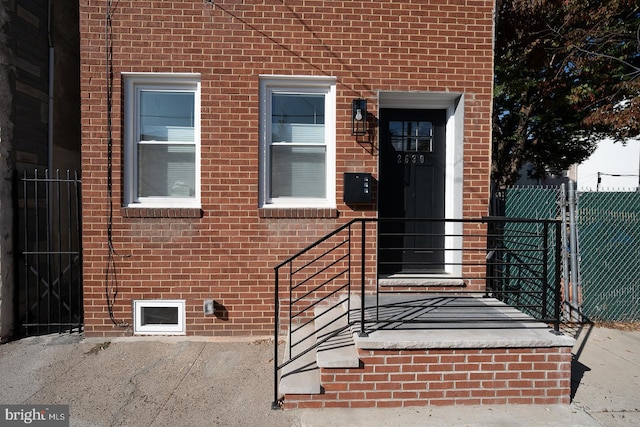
(524, 266)
(516, 261)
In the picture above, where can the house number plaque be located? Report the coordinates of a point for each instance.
(410, 158)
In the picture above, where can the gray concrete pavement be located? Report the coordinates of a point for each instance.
(210, 382)
(606, 376)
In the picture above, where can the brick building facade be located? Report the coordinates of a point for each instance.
(216, 136)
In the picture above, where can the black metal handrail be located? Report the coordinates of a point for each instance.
(336, 252)
(514, 251)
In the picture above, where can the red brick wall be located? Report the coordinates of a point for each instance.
(227, 250)
(391, 378)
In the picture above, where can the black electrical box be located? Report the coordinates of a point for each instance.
(357, 188)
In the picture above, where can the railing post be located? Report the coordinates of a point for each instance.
(558, 292)
(564, 255)
(350, 248)
(275, 404)
(573, 246)
(489, 267)
(290, 340)
(545, 270)
(362, 333)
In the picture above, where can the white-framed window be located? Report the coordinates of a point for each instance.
(159, 317)
(297, 141)
(161, 140)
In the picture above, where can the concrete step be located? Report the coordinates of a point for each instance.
(302, 375)
(338, 351)
(409, 281)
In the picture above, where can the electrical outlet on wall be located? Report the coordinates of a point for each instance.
(207, 306)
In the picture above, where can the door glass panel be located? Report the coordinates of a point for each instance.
(411, 135)
(396, 135)
(410, 132)
(425, 136)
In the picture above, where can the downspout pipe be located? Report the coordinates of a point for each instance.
(50, 90)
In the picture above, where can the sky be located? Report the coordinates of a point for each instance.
(611, 159)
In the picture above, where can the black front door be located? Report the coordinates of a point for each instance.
(411, 189)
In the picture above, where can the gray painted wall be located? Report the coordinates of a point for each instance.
(6, 170)
(28, 138)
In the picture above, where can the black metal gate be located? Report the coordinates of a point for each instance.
(49, 261)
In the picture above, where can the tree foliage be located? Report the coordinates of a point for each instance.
(567, 73)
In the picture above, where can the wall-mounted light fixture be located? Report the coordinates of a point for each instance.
(359, 117)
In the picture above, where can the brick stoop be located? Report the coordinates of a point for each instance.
(421, 367)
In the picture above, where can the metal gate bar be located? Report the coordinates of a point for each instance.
(50, 280)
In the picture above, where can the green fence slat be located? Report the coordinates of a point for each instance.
(531, 203)
(609, 249)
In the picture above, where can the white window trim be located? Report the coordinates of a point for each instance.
(139, 328)
(132, 81)
(270, 84)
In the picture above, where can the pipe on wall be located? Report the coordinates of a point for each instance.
(50, 90)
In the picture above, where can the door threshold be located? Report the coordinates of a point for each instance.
(420, 280)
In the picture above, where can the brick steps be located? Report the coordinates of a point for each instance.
(514, 360)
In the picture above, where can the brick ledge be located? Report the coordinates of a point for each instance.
(298, 212)
(162, 213)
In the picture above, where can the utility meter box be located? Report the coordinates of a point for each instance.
(357, 188)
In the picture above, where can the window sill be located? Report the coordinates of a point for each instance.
(129, 212)
(298, 213)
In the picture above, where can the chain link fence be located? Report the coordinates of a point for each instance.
(532, 203)
(607, 249)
